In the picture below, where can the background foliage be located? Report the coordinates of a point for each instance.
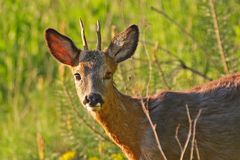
(178, 49)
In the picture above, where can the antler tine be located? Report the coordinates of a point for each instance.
(98, 36)
(84, 41)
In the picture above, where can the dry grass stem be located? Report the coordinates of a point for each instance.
(149, 68)
(189, 134)
(194, 133)
(218, 36)
(177, 139)
(145, 108)
(197, 150)
(153, 126)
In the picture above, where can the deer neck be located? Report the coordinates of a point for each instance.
(123, 120)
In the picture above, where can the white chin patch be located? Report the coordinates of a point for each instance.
(95, 108)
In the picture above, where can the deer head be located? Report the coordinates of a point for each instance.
(93, 69)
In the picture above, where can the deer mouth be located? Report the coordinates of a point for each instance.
(94, 108)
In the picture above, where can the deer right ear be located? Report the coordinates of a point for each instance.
(124, 44)
(61, 47)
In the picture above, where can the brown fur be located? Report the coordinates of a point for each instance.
(123, 119)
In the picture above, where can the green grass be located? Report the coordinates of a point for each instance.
(30, 91)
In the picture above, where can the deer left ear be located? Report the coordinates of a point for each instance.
(124, 44)
(61, 47)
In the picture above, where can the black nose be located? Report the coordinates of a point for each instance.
(93, 99)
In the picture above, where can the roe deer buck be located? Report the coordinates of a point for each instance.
(122, 116)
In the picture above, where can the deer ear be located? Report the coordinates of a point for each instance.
(61, 47)
(124, 44)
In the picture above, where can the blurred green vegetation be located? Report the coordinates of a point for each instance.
(177, 40)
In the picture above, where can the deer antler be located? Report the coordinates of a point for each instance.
(84, 41)
(98, 36)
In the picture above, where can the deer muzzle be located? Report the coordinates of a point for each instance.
(93, 102)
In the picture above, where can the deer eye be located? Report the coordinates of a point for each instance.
(77, 76)
(108, 75)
